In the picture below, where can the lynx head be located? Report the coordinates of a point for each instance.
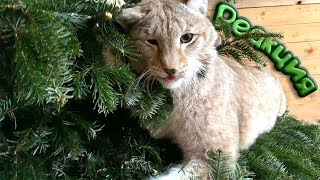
(175, 37)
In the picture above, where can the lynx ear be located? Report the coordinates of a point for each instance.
(197, 5)
(130, 16)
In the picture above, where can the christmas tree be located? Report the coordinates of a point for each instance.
(67, 114)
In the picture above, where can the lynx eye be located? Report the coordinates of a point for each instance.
(186, 38)
(153, 42)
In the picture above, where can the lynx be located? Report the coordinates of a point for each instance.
(218, 104)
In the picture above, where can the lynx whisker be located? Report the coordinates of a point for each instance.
(146, 83)
(137, 81)
(153, 79)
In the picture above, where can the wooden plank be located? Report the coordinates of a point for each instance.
(305, 32)
(312, 65)
(294, 99)
(307, 108)
(309, 112)
(297, 32)
(259, 3)
(300, 25)
(285, 80)
(266, 16)
(305, 50)
(288, 86)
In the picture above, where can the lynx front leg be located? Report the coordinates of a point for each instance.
(156, 132)
(193, 169)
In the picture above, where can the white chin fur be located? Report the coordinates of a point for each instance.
(173, 84)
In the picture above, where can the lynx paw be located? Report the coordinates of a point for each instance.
(193, 169)
(174, 173)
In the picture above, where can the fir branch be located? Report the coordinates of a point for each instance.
(93, 7)
(273, 167)
(67, 140)
(43, 61)
(79, 83)
(137, 163)
(118, 42)
(78, 21)
(240, 48)
(151, 103)
(287, 152)
(20, 163)
(149, 106)
(105, 97)
(222, 26)
(35, 140)
(7, 109)
(91, 129)
(9, 6)
(219, 165)
(107, 83)
(231, 1)
(93, 165)
(258, 35)
(241, 172)
(132, 96)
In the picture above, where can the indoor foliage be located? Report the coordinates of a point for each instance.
(64, 111)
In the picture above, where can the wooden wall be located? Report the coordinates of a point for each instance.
(299, 21)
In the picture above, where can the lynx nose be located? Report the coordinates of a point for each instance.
(170, 72)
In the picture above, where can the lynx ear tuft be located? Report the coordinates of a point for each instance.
(130, 16)
(197, 5)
